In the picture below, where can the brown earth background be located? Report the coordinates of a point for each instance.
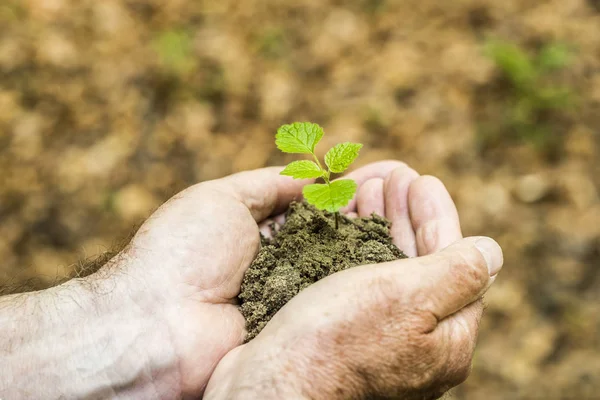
(107, 108)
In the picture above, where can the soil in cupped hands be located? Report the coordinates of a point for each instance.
(306, 249)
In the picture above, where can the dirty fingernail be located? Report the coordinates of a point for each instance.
(492, 253)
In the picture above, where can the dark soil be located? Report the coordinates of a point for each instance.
(306, 249)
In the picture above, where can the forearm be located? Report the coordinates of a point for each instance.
(78, 340)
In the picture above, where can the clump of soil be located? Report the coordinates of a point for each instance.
(306, 249)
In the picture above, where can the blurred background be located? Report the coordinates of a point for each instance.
(107, 108)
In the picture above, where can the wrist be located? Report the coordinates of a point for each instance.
(90, 337)
(128, 337)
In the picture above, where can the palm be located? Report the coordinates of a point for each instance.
(206, 237)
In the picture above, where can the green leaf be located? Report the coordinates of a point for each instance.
(299, 137)
(302, 170)
(330, 197)
(339, 157)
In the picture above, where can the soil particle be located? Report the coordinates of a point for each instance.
(306, 249)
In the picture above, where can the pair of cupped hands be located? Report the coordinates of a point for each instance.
(404, 329)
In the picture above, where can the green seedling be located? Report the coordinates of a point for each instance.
(302, 138)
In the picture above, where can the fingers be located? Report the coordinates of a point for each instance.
(417, 319)
(270, 226)
(266, 228)
(458, 336)
(396, 188)
(379, 169)
(458, 275)
(262, 191)
(370, 198)
(462, 327)
(439, 284)
(433, 215)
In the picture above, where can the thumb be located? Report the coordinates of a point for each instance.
(208, 232)
(460, 274)
(263, 191)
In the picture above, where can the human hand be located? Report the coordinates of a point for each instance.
(158, 318)
(404, 329)
(185, 265)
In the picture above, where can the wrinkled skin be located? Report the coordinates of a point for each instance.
(406, 328)
(160, 320)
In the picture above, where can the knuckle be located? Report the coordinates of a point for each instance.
(422, 380)
(459, 363)
(462, 373)
(455, 372)
(443, 362)
(424, 361)
(394, 164)
(430, 179)
(426, 182)
(470, 267)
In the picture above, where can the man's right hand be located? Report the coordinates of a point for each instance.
(405, 329)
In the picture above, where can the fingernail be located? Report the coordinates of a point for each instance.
(492, 253)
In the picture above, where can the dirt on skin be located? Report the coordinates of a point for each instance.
(306, 249)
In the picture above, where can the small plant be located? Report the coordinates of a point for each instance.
(302, 138)
(534, 101)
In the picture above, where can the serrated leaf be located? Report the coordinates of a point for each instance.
(339, 157)
(302, 170)
(330, 197)
(299, 137)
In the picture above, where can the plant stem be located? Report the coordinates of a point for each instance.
(326, 175)
(325, 172)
